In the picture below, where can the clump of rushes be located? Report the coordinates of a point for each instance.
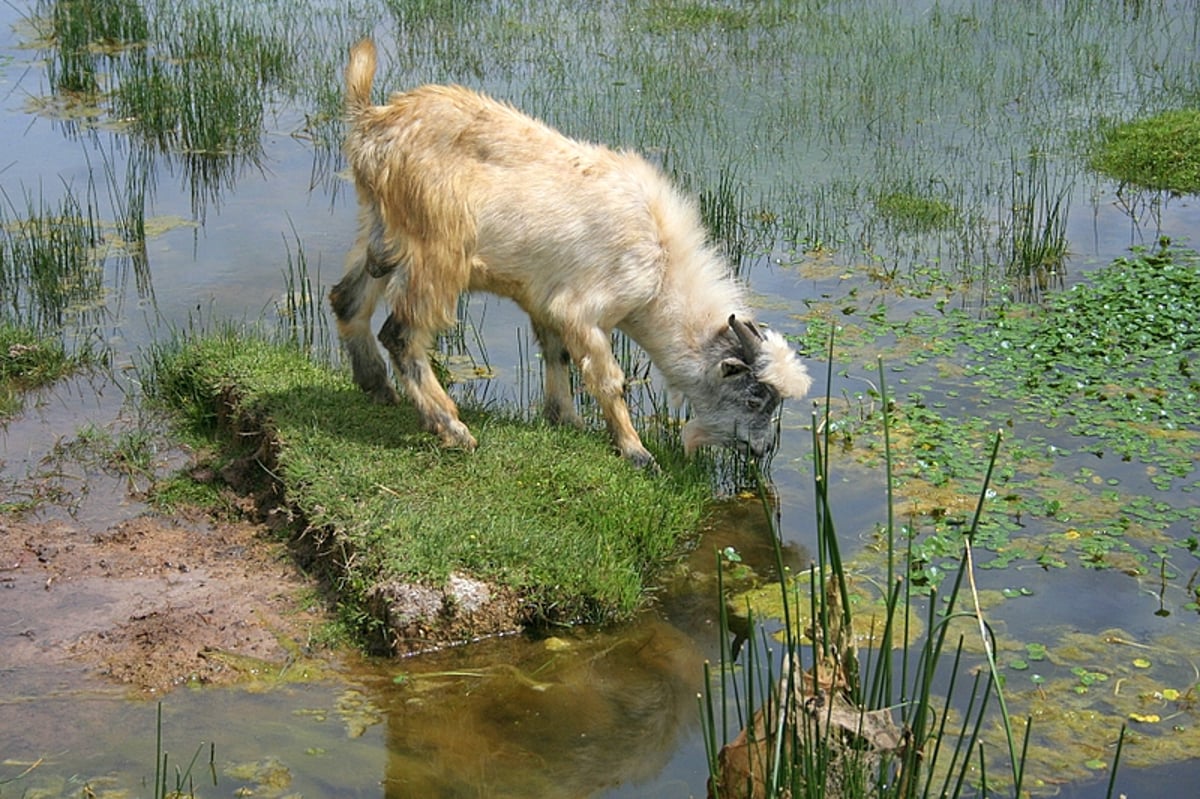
(48, 259)
(81, 32)
(1161, 152)
(545, 513)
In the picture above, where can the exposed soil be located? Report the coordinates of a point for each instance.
(152, 602)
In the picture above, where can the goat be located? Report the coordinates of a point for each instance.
(459, 192)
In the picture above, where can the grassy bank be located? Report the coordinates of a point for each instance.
(554, 527)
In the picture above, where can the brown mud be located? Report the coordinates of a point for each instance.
(153, 602)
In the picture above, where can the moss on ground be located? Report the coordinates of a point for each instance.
(545, 515)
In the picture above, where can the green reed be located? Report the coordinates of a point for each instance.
(184, 782)
(84, 33)
(302, 321)
(50, 268)
(1034, 228)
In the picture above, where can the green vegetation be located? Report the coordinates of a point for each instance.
(1161, 152)
(48, 277)
(49, 264)
(27, 361)
(546, 512)
(870, 707)
(915, 212)
(1109, 361)
(1036, 231)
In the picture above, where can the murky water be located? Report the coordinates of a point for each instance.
(610, 713)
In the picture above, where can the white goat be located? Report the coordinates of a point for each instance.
(458, 192)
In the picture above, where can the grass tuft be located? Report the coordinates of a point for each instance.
(1161, 152)
(916, 213)
(27, 361)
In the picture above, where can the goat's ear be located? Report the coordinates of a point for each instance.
(733, 366)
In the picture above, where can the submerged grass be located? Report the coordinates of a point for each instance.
(546, 512)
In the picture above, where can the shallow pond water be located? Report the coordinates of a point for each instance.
(802, 113)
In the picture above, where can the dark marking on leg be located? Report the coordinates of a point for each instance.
(370, 374)
(556, 414)
(346, 297)
(381, 259)
(397, 340)
(558, 403)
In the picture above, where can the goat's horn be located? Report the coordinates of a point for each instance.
(748, 335)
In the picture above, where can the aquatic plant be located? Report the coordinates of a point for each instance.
(27, 360)
(1160, 152)
(915, 212)
(49, 256)
(1034, 228)
(82, 34)
(817, 714)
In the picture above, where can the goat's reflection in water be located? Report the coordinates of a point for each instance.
(571, 716)
(563, 717)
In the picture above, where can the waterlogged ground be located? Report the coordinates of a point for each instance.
(803, 129)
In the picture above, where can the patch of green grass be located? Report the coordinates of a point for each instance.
(672, 16)
(1160, 152)
(545, 511)
(914, 212)
(27, 361)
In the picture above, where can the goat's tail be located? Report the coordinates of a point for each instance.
(360, 74)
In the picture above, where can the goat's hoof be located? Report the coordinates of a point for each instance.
(643, 460)
(457, 436)
(384, 395)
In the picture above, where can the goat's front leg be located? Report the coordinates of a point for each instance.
(558, 405)
(605, 381)
(409, 350)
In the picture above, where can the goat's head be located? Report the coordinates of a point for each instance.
(752, 371)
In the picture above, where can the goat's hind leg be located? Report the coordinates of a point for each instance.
(409, 350)
(353, 300)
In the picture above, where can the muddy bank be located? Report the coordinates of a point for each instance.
(153, 602)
